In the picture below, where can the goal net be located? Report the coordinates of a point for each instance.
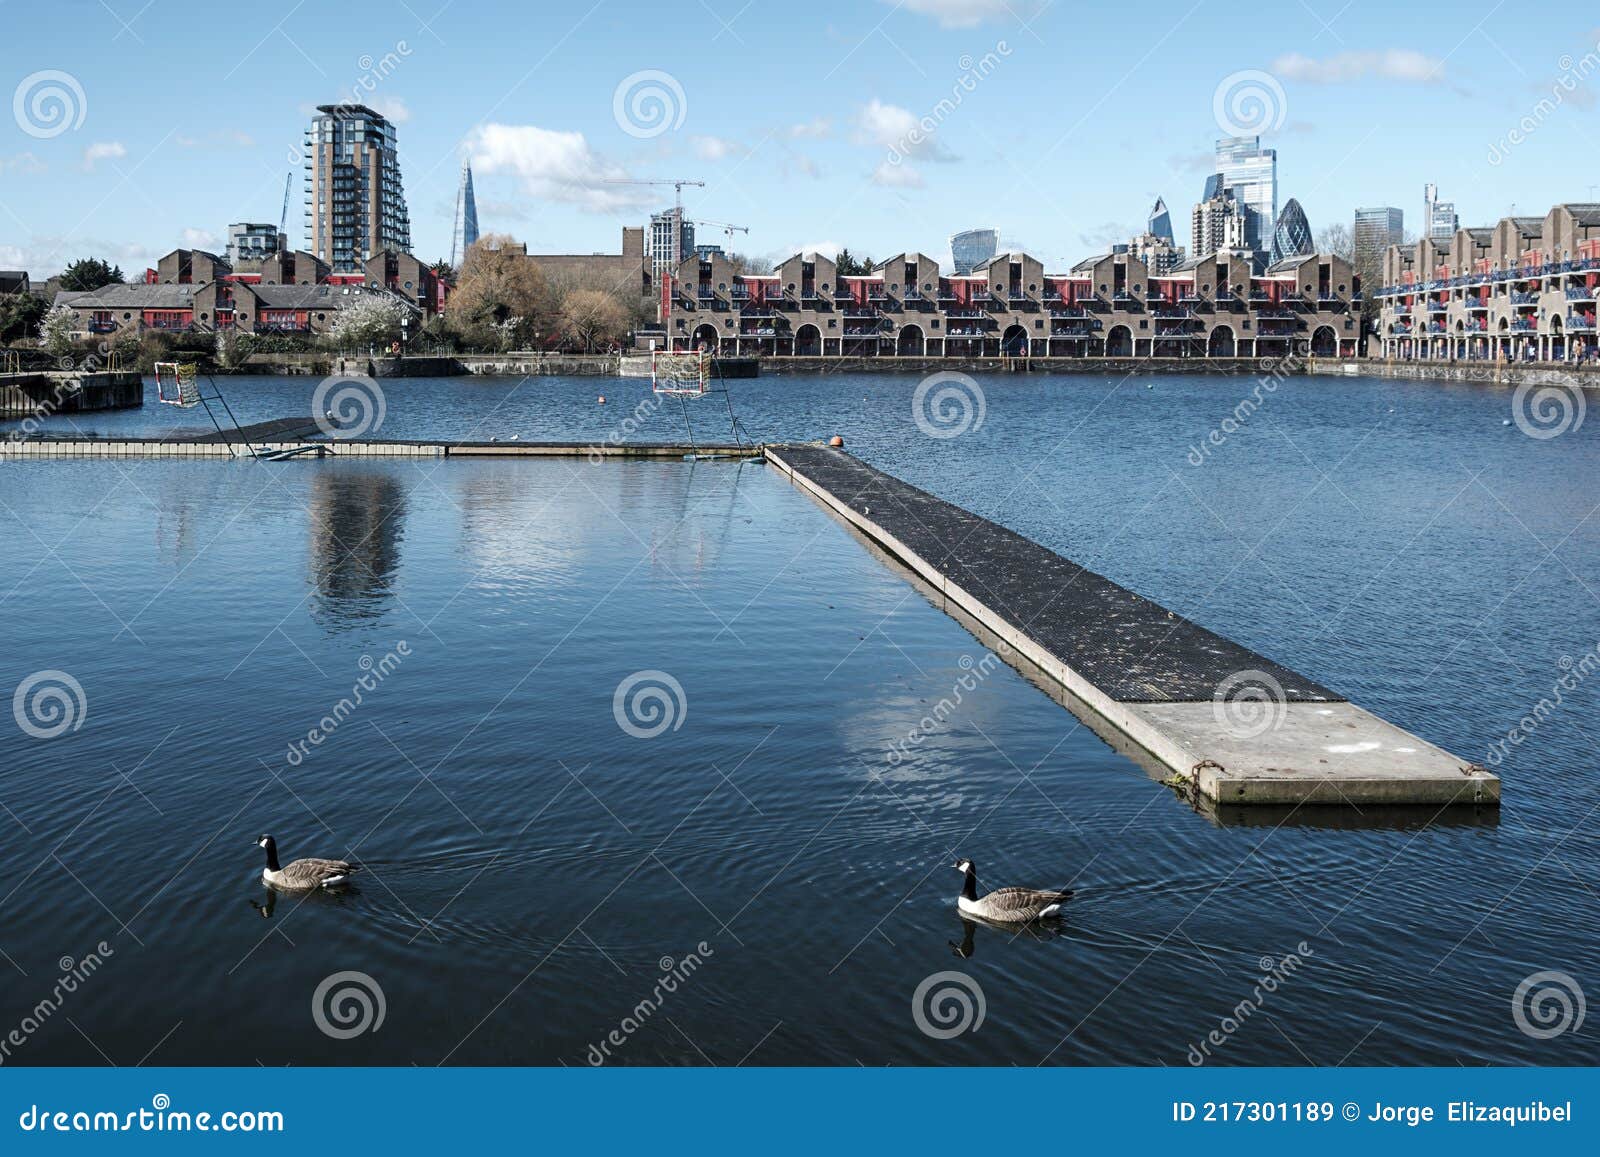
(178, 384)
(680, 372)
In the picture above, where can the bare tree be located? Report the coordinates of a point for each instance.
(593, 319)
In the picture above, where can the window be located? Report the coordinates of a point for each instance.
(1144, 323)
(833, 323)
(1038, 325)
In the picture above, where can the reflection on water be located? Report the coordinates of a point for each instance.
(512, 823)
(356, 525)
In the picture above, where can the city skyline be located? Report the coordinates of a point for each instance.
(895, 158)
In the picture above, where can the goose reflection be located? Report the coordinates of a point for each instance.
(1039, 931)
(265, 910)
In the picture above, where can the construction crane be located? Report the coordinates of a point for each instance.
(283, 219)
(727, 229)
(677, 184)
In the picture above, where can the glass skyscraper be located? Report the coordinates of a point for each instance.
(1251, 173)
(1291, 236)
(1376, 229)
(465, 233)
(974, 248)
(1160, 222)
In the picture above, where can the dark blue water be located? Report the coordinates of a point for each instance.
(533, 870)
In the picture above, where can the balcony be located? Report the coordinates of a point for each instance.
(1585, 293)
(1523, 299)
(1577, 324)
(1438, 327)
(1525, 325)
(1477, 305)
(102, 327)
(1438, 307)
(1068, 311)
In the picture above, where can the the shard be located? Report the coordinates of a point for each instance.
(465, 232)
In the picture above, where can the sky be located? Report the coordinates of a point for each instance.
(138, 126)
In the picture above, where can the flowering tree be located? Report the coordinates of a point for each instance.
(55, 331)
(370, 320)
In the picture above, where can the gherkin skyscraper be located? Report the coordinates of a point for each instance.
(465, 232)
(1291, 237)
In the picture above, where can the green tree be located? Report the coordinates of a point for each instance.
(852, 266)
(443, 270)
(20, 314)
(90, 273)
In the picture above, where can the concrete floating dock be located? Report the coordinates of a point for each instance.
(1232, 725)
(287, 437)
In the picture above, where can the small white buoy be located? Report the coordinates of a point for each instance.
(514, 437)
(1505, 421)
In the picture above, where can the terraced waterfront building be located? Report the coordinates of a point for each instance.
(1106, 307)
(1522, 290)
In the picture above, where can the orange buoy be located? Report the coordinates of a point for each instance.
(602, 399)
(836, 441)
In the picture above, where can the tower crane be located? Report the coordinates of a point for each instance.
(727, 229)
(677, 184)
(283, 218)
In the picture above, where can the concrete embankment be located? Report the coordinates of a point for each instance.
(24, 395)
(1233, 726)
(1495, 373)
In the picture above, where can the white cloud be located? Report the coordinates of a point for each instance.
(1391, 64)
(21, 163)
(194, 238)
(394, 108)
(968, 13)
(828, 249)
(799, 163)
(103, 151)
(899, 130)
(892, 176)
(715, 148)
(815, 130)
(552, 166)
(44, 257)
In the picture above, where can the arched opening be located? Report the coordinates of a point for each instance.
(705, 337)
(1220, 344)
(808, 342)
(1119, 342)
(1014, 342)
(910, 343)
(1325, 342)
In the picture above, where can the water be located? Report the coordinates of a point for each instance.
(530, 864)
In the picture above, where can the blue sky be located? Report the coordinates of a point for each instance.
(877, 125)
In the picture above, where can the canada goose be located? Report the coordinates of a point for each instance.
(1007, 905)
(306, 873)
